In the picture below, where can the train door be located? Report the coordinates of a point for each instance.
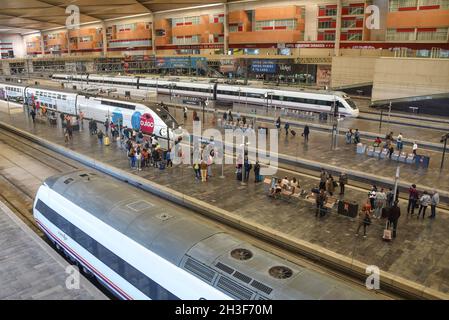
(135, 120)
(147, 123)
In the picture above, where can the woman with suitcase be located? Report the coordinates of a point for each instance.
(364, 218)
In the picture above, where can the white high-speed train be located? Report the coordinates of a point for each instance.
(316, 101)
(150, 119)
(141, 247)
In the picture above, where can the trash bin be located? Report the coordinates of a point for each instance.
(348, 208)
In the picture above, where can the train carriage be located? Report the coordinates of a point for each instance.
(141, 247)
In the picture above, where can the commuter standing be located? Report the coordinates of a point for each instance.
(278, 123)
(106, 126)
(100, 137)
(306, 133)
(320, 201)
(33, 115)
(433, 204)
(364, 218)
(185, 112)
(139, 160)
(356, 136)
(380, 203)
(257, 177)
(424, 203)
(390, 197)
(393, 217)
(412, 199)
(399, 143)
(203, 167)
(343, 180)
(330, 185)
(372, 195)
(248, 167)
(323, 178)
(415, 147)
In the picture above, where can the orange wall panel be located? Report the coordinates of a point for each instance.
(162, 24)
(265, 37)
(135, 34)
(237, 17)
(161, 41)
(420, 19)
(276, 13)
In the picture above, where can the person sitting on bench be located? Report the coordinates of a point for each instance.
(276, 189)
(294, 185)
(285, 183)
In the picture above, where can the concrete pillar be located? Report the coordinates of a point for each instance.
(338, 30)
(226, 29)
(42, 43)
(153, 34)
(105, 40)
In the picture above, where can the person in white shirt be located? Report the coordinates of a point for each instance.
(424, 203)
(434, 201)
(294, 184)
(399, 141)
(285, 183)
(414, 148)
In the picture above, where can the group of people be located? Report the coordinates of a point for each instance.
(284, 184)
(423, 201)
(352, 136)
(243, 169)
(328, 183)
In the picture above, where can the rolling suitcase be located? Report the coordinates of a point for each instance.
(106, 141)
(293, 132)
(162, 165)
(387, 233)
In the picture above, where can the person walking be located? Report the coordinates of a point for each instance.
(343, 180)
(393, 217)
(33, 115)
(434, 201)
(348, 136)
(356, 136)
(424, 203)
(412, 199)
(305, 133)
(286, 127)
(364, 218)
(196, 168)
(185, 113)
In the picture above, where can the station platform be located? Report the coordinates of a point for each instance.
(418, 258)
(31, 270)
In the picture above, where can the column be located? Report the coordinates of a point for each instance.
(42, 43)
(226, 29)
(105, 40)
(153, 34)
(338, 30)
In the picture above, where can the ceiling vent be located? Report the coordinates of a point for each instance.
(280, 272)
(241, 254)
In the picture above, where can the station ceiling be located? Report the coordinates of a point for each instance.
(20, 16)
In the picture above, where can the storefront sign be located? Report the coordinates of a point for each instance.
(263, 66)
(179, 62)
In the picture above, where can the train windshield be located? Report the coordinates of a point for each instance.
(166, 117)
(351, 103)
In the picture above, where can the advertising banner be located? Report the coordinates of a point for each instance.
(179, 62)
(323, 75)
(263, 66)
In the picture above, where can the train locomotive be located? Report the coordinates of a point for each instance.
(142, 247)
(304, 100)
(149, 119)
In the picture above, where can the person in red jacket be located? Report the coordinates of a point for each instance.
(412, 199)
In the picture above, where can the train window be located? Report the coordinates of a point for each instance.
(64, 97)
(59, 97)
